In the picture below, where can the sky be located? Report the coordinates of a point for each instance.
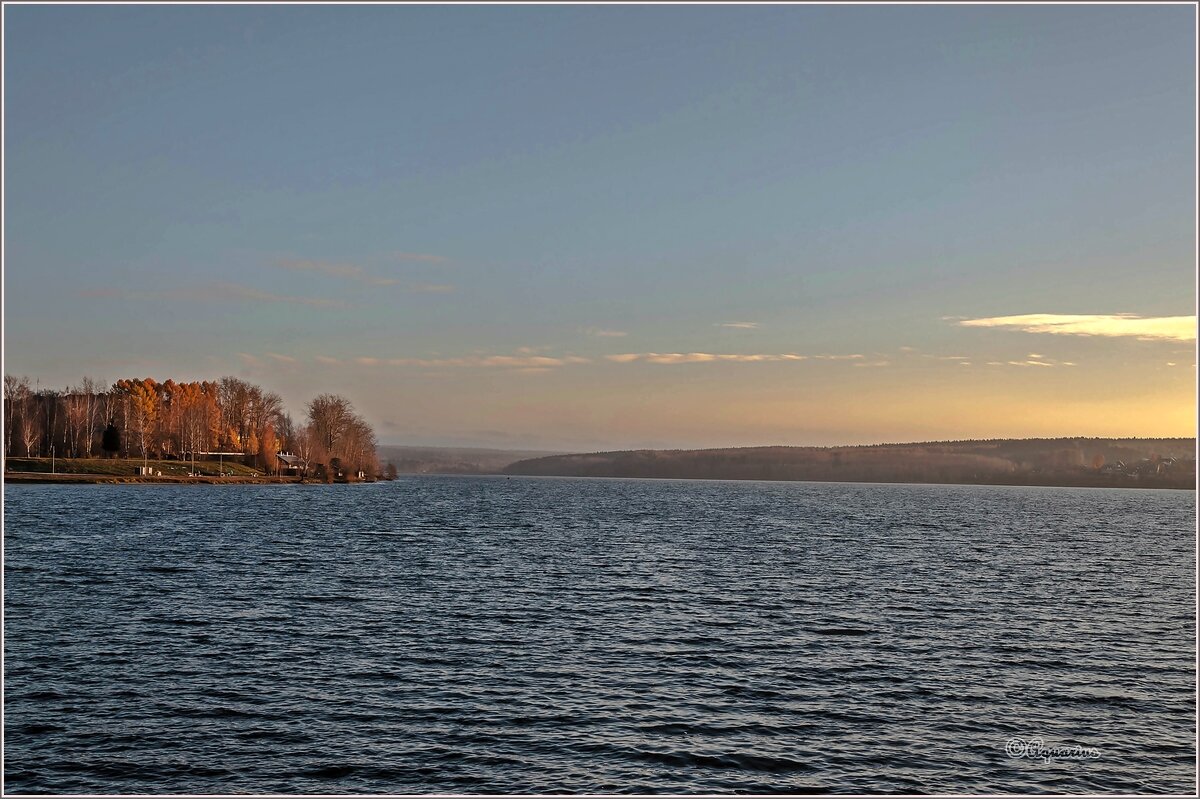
(587, 227)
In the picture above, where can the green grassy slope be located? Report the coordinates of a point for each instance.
(125, 466)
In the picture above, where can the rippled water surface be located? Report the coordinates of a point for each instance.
(442, 634)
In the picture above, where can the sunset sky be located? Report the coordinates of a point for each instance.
(578, 228)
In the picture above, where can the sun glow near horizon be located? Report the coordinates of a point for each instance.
(996, 383)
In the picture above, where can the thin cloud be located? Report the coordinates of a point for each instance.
(343, 271)
(519, 362)
(740, 325)
(219, 292)
(420, 257)
(929, 356)
(961, 360)
(281, 358)
(325, 359)
(432, 288)
(709, 357)
(526, 360)
(1166, 328)
(1041, 361)
(234, 291)
(322, 267)
(491, 361)
(600, 332)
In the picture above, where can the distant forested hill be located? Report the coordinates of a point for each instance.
(1159, 462)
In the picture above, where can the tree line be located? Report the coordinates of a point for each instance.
(169, 420)
(1066, 461)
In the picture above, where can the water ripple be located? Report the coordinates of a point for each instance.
(484, 635)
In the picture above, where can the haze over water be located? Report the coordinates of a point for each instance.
(443, 634)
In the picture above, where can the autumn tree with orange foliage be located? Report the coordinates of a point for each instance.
(181, 419)
(339, 438)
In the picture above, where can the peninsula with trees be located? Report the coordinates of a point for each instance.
(142, 430)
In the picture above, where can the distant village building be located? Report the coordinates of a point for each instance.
(1152, 467)
(293, 464)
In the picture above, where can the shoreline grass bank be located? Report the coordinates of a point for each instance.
(69, 471)
(59, 478)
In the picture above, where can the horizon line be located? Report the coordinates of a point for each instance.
(1192, 438)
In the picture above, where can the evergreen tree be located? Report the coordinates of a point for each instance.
(110, 442)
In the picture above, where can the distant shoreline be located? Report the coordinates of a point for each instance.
(1065, 462)
(37, 478)
(1062, 462)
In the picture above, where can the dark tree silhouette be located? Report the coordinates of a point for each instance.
(110, 442)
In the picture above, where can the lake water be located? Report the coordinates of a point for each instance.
(454, 634)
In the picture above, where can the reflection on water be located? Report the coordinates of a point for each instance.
(555, 635)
